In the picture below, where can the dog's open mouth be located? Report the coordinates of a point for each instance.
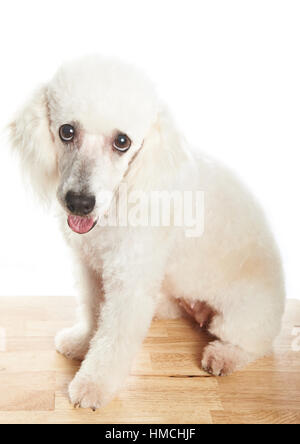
(81, 225)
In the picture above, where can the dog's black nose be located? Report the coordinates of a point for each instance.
(80, 204)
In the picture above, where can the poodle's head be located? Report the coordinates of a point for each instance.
(79, 134)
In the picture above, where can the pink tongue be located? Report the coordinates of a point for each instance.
(80, 224)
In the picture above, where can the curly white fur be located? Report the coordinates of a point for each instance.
(234, 267)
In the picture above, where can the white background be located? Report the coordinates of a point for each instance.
(229, 70)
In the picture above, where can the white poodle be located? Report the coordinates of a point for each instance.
(94, 129)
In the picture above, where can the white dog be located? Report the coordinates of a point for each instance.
(99, 125)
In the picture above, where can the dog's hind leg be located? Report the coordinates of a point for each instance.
(74, 342)
(245, 329)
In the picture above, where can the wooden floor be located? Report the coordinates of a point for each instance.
(166, 384)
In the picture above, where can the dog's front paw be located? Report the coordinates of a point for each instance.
(73, 342)
(86, 393)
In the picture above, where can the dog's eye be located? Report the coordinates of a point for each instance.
(66, 132)
(122, 142)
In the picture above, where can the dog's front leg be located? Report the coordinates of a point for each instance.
(74, 342)
(130, 299)
(125, 319)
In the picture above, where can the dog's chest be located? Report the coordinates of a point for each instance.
(91, 253)
(94, 246)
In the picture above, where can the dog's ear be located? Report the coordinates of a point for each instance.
(30, 136)
(161, 157)
(171, 140)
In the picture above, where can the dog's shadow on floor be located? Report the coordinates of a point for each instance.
(202, 339)
(68, 369)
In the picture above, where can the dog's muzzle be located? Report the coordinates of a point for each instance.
(80, 206)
